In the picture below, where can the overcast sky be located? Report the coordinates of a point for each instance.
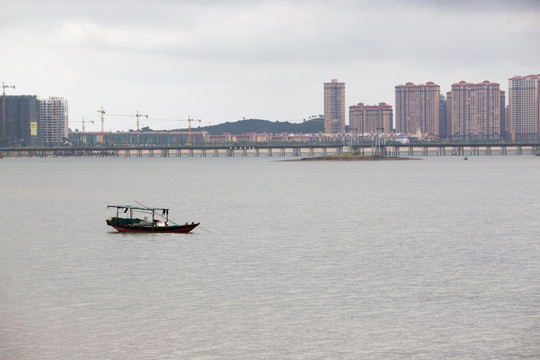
(224, 60)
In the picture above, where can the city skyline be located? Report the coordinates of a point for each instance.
(474, 110)
(223, 62)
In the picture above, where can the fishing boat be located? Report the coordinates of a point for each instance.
(131, 218)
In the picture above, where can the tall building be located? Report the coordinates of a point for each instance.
(524, 106)
(22, 119)
(334, 107)
(474, 110)
(444, 126)
(53, 120)
(504, 119)
(370, 118)
(418, 108)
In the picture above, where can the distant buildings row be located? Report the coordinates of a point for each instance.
(27, 120)
(468, 111)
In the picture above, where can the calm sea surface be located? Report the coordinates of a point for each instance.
(430, 259)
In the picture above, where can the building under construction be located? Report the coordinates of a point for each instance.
(53, 129)
(32, 121)
(21, 122)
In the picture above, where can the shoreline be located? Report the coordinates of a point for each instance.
(350, 157)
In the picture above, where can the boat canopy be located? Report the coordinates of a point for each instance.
(132, 207)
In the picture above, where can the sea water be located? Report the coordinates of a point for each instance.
(435, 258)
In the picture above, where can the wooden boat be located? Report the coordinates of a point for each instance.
(128, 219)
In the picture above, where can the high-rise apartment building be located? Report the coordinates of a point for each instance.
(370, 118)
(53, 120)
(474, 110)
(418, 108)
(524, 106)
(444, 128)
(334, 107)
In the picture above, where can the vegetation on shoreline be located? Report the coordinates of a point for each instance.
(353, 156)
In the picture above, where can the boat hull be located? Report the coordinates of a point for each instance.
(153, 229)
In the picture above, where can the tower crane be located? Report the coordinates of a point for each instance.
(4, 87)
(102, 112)
(189, 120)
(137, 114)
(83, 122)
(83, 136)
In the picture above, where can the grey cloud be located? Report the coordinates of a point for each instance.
(241, 44)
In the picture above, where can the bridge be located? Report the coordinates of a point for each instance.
(295, 150)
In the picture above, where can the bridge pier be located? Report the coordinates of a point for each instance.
(458, 150)
(441, 150)
(280, 150)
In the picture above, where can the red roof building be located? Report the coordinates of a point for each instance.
(370, 118)
(417, 109)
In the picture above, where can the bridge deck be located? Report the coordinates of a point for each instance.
(296, 150)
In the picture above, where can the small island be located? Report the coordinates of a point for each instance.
(355, 157)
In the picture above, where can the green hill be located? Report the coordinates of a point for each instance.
(262, 126)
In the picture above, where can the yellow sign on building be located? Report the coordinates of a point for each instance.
(33, 128)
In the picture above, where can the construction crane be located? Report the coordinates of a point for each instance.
(102, 120)
(83, 122)
(137, 114)
(4, 87)
(83, 136)
(189, 120)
